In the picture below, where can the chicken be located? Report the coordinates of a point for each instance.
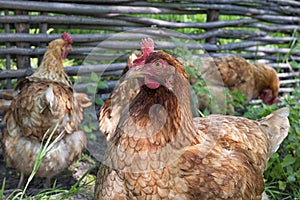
(158, 151)
(252, 80)
(43, 101)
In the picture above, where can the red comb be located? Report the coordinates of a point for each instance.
(67, 37)
(147, 44)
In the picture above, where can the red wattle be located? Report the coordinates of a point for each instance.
(151, 83)
(64, 55)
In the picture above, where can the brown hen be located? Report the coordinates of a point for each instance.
(158, 151)
(252, 80)
(45, 100)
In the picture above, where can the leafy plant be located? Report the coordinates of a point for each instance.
(89, 124)
(283, 168)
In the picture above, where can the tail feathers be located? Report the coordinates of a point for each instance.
(277, 126)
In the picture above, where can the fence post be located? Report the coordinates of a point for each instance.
(211, 16)
(22, 61)
(43, 29)
(7, 56)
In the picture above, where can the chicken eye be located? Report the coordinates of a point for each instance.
(157, 64)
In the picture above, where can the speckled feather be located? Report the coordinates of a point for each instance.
(217, 157)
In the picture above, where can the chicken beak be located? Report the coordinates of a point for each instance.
(135, 72)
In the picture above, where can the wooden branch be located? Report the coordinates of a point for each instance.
(7, 56)
(274, 27)
(132, 45)
(293, 81)
(283, 51)
(66, 20)
(77, 38)
(22, 61)
(289, 74)
(247, 10)
(212, 16)
(286, 90)
(77, 9)
(279, 19)
(287, 2)
(240, 45)
(212, 5)
(168, 24)
(101, 69)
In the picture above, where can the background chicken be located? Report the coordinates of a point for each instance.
(252, 80)
(45, 99)
(158, 151)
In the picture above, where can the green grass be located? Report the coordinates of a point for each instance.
(2, 189)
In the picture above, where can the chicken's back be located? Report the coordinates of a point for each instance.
(36, 110)
(236, 73)
(40, 105)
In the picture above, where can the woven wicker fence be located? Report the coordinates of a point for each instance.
(251, 31)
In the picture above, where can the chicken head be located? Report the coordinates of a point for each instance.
(154, 74)
(67, 47)
(267, 97)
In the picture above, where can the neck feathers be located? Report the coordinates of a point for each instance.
(52, 67)
(159, 116)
